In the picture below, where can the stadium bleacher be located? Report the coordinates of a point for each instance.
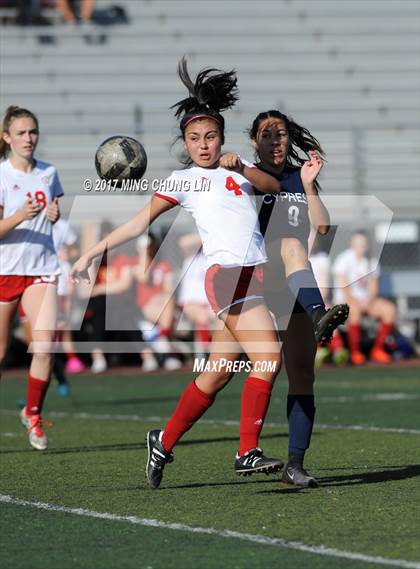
(346, 70)
(359, 97)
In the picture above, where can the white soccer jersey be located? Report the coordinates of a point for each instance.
(356, 272)
(223, 206)
(28, 249)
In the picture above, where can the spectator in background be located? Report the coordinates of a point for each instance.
(156, 301)
(192, 295)
(118, 286)
(29, 13)
(66, 7)
(356, 282)
(64, 238)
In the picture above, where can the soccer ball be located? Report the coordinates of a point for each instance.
(120, 158)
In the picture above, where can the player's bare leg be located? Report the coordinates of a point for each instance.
(7, 312)
(39, 303)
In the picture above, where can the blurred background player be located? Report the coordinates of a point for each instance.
(192, 294)
(95, 316)
(321, 267)
(71, 15)
(156, 302)
(29, 192)
(64, 239)
(356, 282)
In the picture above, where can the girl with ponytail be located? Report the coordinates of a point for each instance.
(29, 192)
(291, 290)
(227, 221)
(287, 219)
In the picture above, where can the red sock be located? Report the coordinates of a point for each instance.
(164, 333)
(337, 341)
(203, 336)
(255, 400)
(37, 389)
(71, 355)
(192, 404)
(383, 332)
(353, 332)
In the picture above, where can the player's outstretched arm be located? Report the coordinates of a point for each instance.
(28, 211)
(318, 213)
(129, 230)
(259, 179)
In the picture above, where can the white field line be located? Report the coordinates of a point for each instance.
(161, 420)
(373, 397)
(254, 538)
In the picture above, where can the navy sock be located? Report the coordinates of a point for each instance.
(305, 288)
(301, 415)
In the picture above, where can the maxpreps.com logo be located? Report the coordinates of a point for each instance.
(232, 366)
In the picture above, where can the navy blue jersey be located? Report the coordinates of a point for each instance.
(285, 214)
(282, 215)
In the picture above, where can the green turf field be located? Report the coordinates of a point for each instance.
(365, 453)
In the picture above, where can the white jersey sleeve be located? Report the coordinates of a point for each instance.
(246, 163)
(174, 188)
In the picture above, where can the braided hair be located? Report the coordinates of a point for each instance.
(300, 138)
(212, 92)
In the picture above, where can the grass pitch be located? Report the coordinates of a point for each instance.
(365, 453)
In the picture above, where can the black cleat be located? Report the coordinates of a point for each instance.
(295, 474)
(157, 457)
(254, 461)
(326, 321)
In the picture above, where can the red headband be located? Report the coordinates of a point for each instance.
(201, 116)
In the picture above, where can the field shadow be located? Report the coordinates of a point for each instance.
(132, 446)
(391, 473)
(194, 485)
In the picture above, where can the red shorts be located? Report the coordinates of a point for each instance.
(226, 287)
(13, 286)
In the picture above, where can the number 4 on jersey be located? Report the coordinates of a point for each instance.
(233, 186)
